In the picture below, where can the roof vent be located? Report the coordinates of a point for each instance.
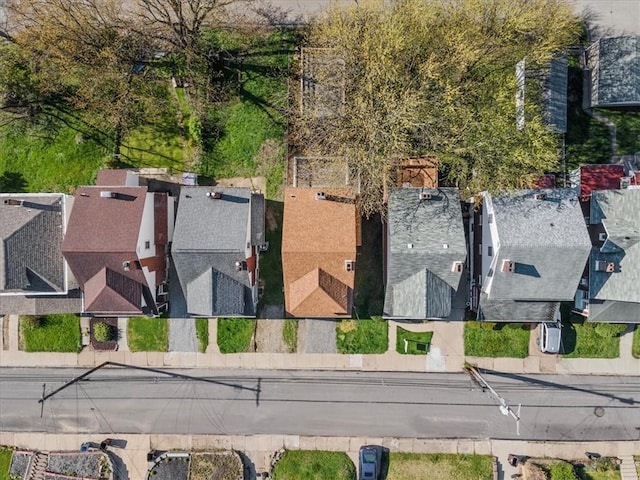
(108, 194)
(445, 245)
(508, 266)
(349, 265)
(409, 245)
(241, 265)
(604, 266)
(424, 196)
(263, 247)
(540, 196)
(457, 267)
(321, 196)
(126, 266)
(625, 182)
(214, 195)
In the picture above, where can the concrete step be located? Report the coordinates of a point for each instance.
(628, 468)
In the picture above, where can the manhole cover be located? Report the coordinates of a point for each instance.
(598, 411)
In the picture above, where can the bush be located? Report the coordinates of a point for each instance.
(562, 471)
(102, 332)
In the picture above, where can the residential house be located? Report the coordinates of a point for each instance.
(34, 276)
(610, 292)
(218, 239)
(426, 254)
(615, 72)
(319, 245)
(117, 246)
(530, 249)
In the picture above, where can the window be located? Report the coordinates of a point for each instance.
(490, 251)
(490, 218)
(147, 245)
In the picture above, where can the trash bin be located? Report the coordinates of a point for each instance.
(85, 447)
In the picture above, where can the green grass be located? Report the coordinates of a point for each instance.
(253, 117)
(235, 334)
(362, 336)
(51, 333)
(148, 334)
(290, 334)
(5, 462)
(636, 342)
(481, 339)
(314, 465)
(202, 332)
(32, 160)
(413, 339)
(562, 471)
(582, 339)
(439, 466)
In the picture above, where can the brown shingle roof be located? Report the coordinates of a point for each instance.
(318, 237)
(110, 177)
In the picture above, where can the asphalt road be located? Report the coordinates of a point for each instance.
(320, 403)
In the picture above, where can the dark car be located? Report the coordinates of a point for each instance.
(369, 463)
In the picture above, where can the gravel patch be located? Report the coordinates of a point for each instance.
(171, 468)
(19, 463)
(182, 335)
(219, 466)
(75, 465)
(317, 336)
(269, 336)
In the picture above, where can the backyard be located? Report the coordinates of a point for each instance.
(148, 334)
(51, 333)
(486, 339)
(367, 336)
(314, 465)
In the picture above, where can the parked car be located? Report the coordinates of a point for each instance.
(550, 337)
(369, 463)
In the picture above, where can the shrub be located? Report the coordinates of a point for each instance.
(102, 332)
(608, 330)
(562, 471)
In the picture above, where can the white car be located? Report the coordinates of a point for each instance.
(550, 337)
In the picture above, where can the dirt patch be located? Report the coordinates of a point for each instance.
(269, 338)
(220, 466)
(254, 183)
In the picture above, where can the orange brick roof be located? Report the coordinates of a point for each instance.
(318, 237)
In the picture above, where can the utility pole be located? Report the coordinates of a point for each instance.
(504, 407)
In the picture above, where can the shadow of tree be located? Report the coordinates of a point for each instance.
(12, 182)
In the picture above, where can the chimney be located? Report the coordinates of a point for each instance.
(424, 196)
(604, 266)
(508, 266)
(13, 201)
(108, 194)
(214, 195)
(321, 196)
(540, 196)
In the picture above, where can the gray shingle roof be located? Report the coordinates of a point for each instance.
(548, 243)
(619, 212)
(615, 71)
(210, 236)
(31, 260)
(420, 279)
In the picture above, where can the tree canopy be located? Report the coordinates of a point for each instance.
(437, 77)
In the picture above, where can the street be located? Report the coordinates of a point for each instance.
(116, 400)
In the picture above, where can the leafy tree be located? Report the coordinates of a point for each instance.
(432, 77)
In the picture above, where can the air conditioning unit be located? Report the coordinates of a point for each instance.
(540, 196)
(457, 267)
(424, 196)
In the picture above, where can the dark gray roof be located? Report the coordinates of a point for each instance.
(619, 212)
(614, 311)
(426, 237)
(548, 243)
(31, 260)
(615, 71)
(515, 311)
(555, 94)
(41, 305)
(210, 236)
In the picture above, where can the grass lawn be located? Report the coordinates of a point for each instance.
(582, 339)
(55, 161)
(410, 466)
(253, 117)
(235, 334)
(51, 333)
(290, 334)
(314, 465)
(636, 342)
(413, 338)
(148, 334)
(202, 332)
(481, 339)
(362, 336)
(5, 462)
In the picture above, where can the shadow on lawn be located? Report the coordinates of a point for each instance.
(12, 182)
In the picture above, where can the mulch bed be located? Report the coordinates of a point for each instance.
(110, 344)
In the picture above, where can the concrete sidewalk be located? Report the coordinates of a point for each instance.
(446, 354)
(259, 448)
